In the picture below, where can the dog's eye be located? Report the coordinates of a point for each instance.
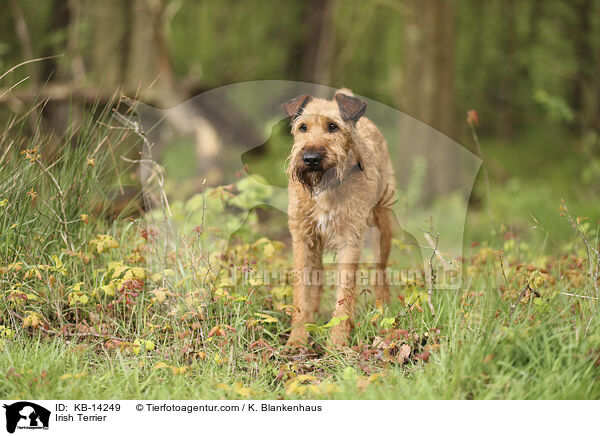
(332, 127)
(302, 127)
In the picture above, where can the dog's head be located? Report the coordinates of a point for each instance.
(325, 147)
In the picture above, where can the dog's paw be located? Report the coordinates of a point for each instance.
(340, 337)
(296, 345)
(297, 341)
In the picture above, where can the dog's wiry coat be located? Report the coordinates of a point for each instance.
(330, 207)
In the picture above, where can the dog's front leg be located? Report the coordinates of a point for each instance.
(349, 255)
(308, 285)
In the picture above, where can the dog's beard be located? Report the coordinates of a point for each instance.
(316, 180)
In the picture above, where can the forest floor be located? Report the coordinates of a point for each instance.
(85, 315)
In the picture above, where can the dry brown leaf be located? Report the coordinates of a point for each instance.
(403, 353)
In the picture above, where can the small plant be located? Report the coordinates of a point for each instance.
(589, 236)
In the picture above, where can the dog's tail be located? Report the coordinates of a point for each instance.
(344, 91)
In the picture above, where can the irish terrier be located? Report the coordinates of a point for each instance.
(340, 182)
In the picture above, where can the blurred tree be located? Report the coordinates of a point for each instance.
(427, 90)
(109, 47)
(508, 83)
(318, 49)
(22, 32)
(522, 65)
(582, 95)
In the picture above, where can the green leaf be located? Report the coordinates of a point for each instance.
(387, 322)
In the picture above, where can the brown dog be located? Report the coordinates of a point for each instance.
(340, 182)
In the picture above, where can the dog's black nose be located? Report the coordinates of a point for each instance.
(311, 159)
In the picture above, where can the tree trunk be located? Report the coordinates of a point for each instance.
(508, 81)
(427, 91)
(582, 100)
(109, 42)
(320, 41)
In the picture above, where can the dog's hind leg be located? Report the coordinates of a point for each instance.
(383, 221)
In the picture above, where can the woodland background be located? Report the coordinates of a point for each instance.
(530, 69)
(84, 315)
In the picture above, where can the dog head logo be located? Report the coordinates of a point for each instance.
(232, 150)
(26, 415)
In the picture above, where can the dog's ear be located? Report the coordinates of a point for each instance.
(294, 106)
(351, 108)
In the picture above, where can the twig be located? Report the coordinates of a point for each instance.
(513, 307)
(28, 62)
(61, 194)
(13, 87)
(432, 272)
(579, 296)
(135, 127)
(502, 268)
(8, 147)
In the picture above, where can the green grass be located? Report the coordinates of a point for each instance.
(529, 177)
(88, 312)
(544, 359)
